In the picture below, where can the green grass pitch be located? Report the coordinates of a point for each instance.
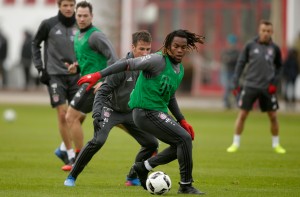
(28, 166)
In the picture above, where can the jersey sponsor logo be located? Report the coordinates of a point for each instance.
(58, 32)
(129, 79)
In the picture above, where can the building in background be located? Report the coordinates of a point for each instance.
(213, 18)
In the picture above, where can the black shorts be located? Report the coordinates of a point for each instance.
(62, 88)
(267, 101)
(83, 100)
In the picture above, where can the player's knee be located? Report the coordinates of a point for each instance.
(153, 145)
(186, 138)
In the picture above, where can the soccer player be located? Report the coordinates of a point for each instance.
(261, 81)
(93, 53)
(161, 74)
(111, 109)
(57, 33)
(229, 59)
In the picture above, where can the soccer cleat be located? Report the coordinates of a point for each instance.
(278, 149)
(70, 181)
(69, 166)
(132, 182)
(233, 148)
(142, 173)
(188, 189)
(62, 155)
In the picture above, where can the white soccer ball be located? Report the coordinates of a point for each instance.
(9, 115)
(158, 183)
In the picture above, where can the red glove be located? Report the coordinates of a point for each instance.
(272, 89)
(90, 78)
(236, 91)
(188, 128)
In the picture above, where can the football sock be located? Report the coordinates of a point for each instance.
(62, 147)
(185, 183)
(71, 153)
(236, 140)
(147, 165)
(275, 141)
(77, 151)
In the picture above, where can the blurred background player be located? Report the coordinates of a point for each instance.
(93, 53)
(229, 59)
(111, 109)
(3, 56)
(154, 93)
(26, 57)
(261, 81)
(290, 74)
(57, 33)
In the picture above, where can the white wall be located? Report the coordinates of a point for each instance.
(293, 24)
(14, 19)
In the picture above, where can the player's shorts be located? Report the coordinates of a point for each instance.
(83, 100)
(248, 96)
(62, 88)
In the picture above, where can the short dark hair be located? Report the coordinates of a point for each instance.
(265, 22)
(85, 4)
(59, 1)
(142, 35)
(191, 38)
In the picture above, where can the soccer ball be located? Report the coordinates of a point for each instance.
(158, 183)
(9, 115)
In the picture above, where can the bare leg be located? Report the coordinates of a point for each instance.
(240, 121)
(74, 119)
(274, 123)
(239, 127)
(62, 125)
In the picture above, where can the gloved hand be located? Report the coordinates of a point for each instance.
(90, 78)
(272, 89)
(188, 128)
(44, 77)
(96, 122)
(236, 91)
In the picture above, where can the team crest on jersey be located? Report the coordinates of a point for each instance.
(270, 51)
(106, 114)
(74, 30)
(55, 98)
(162, 116)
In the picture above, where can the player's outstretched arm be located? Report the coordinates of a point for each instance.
(93, 78)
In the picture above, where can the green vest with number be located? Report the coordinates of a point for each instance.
(89, 60)
(155, 93)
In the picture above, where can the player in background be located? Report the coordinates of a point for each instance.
(154, 92)
(58, 33)
(261, 81)
(229, 58)
(94, 52)
(111, 109)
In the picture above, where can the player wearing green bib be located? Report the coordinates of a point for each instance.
(94, 52)
(153, 95)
